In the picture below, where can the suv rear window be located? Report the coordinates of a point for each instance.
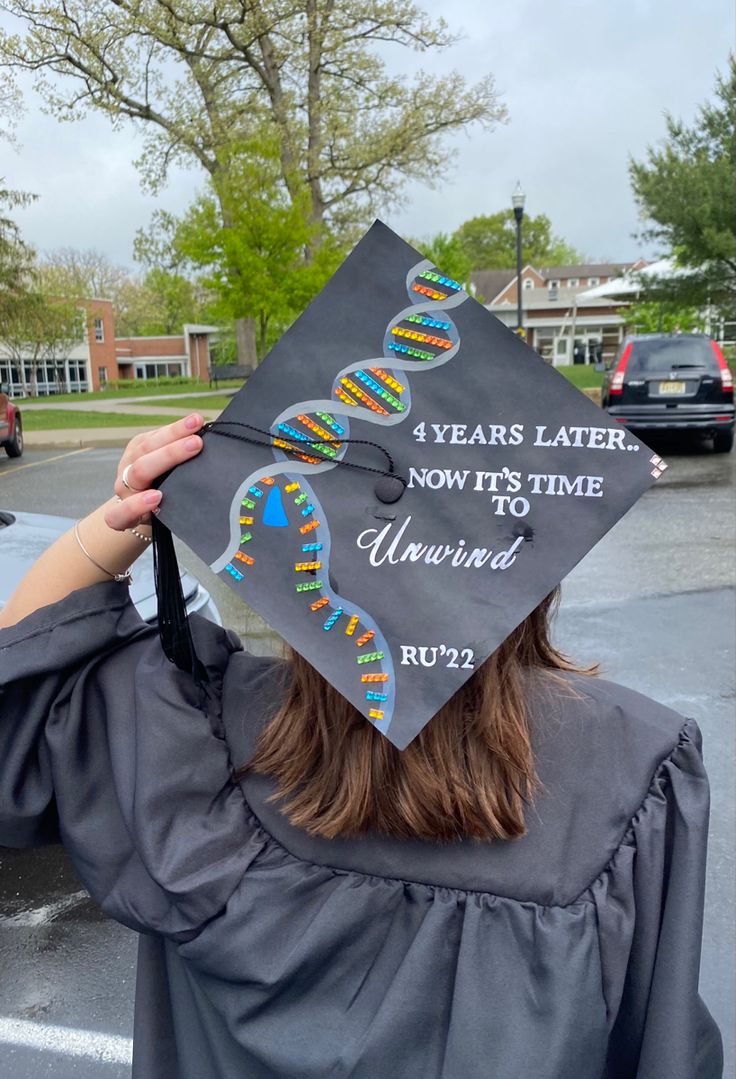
(671, 353)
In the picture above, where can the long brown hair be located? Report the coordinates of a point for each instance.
(470, 771)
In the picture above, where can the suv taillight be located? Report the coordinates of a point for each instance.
(726, 376)
(617, 379)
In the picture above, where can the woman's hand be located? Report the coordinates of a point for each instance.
(101, 548)
(147, 457)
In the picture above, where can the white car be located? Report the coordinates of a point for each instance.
(24, 536)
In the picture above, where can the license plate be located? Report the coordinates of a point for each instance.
(672, 387)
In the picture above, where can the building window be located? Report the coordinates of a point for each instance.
(554, 285)
(528, 283)
(573, 282)
(160, 368)
(99, 330)
(102, 373)
(594, 281)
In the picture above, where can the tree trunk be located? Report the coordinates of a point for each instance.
(25, 388)
(245, 338)
(263, 322)
(315, 119)
(245, 328)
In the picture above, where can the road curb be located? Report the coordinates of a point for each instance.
(82, 444)
(76, 440)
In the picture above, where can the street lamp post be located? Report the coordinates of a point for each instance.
(517, 201)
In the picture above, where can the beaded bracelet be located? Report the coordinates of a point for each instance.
(139, 535)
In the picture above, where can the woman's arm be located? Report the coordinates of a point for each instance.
(103, 742)
(65, 567)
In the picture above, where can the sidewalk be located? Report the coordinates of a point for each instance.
(81, 437)
(84, 437)
(113, 404)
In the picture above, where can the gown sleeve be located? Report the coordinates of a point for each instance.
(106, 747)
(650, 912)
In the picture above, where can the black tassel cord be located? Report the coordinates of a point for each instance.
(173, 623)
(174, 630)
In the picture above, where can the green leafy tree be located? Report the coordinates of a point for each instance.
(160, 302)
(16, 256)
(250, 255)
(40, 329)
(448, 255)
(687, 190)
(489, 242)
(75, 274)
(11, 108)
(662, 316)
(202, 79)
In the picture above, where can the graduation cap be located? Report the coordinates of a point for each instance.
(400, 483)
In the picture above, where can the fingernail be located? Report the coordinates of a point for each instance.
(193, 421)
(193, 443)
(152, 498)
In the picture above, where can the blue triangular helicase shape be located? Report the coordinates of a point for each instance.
(273, 511)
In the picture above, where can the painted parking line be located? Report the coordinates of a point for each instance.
(67, 1041)
(45, 461)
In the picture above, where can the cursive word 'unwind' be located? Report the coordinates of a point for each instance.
(385, 547)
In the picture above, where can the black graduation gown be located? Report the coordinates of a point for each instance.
(570, 954)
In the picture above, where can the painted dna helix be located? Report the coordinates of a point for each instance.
(311, 437)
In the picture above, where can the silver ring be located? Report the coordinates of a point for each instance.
(124, 479)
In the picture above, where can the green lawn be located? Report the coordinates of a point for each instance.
(146, 389)
(212, 403)
(582, 375)
(53, 419)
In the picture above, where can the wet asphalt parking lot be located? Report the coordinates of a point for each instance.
(654, 602)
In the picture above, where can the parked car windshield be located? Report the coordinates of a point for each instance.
(671, 353)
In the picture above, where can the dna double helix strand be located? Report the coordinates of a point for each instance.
(421, 337)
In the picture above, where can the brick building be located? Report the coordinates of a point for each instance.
(100, 357)
(157, 357)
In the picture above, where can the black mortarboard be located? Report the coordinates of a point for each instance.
(400, 483)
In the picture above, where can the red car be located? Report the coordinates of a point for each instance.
(11, 427)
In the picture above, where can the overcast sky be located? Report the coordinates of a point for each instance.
(586, 83)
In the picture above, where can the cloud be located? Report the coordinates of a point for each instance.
(586, 84)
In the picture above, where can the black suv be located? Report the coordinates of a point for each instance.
(672, 382)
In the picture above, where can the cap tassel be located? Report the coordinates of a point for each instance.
(173, 622)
